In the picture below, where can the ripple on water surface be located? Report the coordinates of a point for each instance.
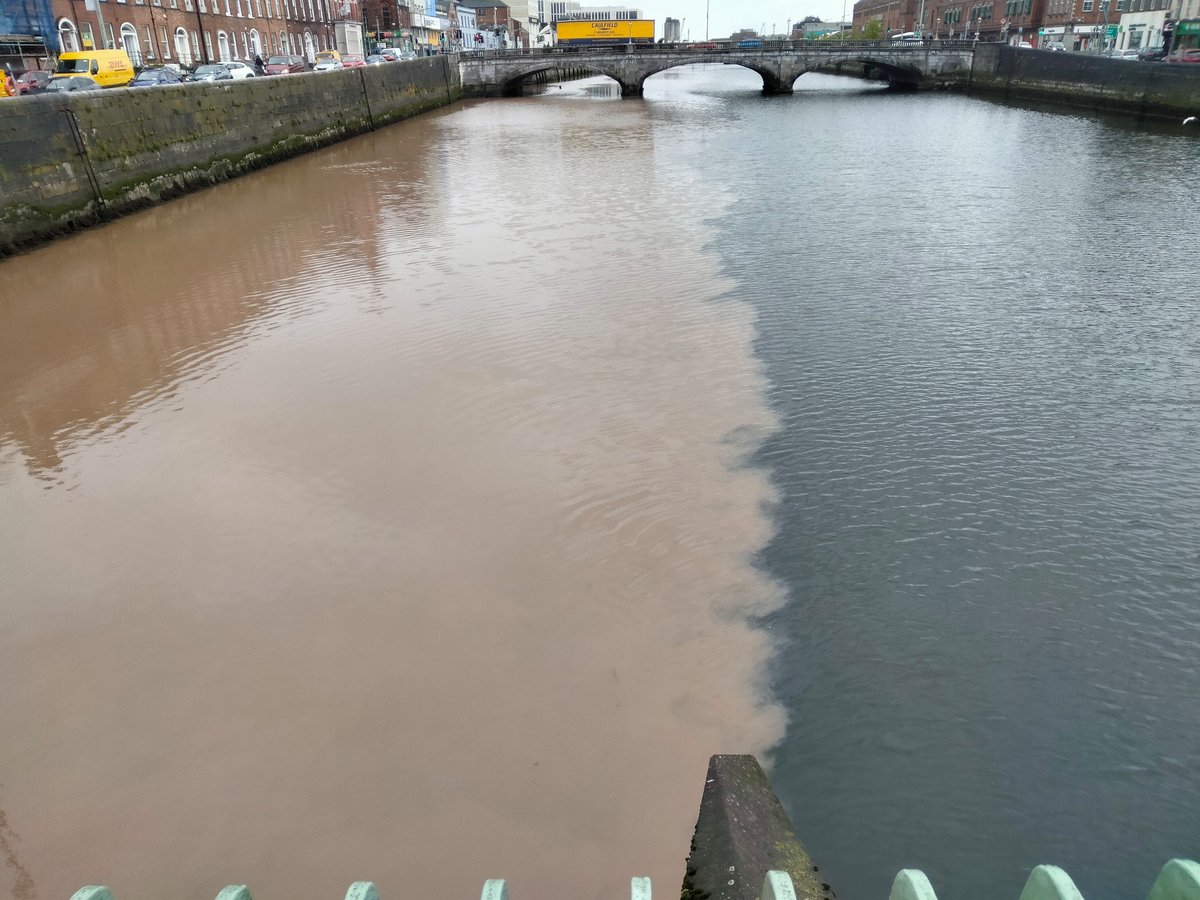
(416, 517)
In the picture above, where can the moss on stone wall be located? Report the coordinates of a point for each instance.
(141, 147)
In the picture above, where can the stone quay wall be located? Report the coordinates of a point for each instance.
(1143, 89)
(70, 160)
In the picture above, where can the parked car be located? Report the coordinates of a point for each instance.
(1056, 46)
(32, 82)
(327, 65)
(1185, 56)
(375, 59)
(155, 77)
(350, 61)
(389, 55)
(65, 83)
(239, 69)
(286, 65)
(211, 72)
(1151, 54)
(1124, 54)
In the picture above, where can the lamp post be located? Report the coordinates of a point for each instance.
(707, 3)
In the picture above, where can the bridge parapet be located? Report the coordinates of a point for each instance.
(779, 63)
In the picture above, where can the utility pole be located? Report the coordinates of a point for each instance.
(200, 26)
(707, 3)
(100, 20)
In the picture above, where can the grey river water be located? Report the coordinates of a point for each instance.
(428, 508)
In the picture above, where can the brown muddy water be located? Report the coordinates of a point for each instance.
(431, 507)
(383, 515)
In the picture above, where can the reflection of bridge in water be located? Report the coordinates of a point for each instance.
(780, 64)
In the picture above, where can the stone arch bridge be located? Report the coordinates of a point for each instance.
(932, 64)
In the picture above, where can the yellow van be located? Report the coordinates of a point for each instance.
(110, 68)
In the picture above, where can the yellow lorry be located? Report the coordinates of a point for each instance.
(604, 33)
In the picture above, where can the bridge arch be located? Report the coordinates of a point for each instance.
(870, 67)
(772, 83)
(511, 86)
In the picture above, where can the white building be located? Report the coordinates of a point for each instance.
(572, 11)
(1138, 30)
(468, 36)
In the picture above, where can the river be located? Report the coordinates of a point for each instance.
(428, 508)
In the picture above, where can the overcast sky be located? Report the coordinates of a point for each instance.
(727, 16)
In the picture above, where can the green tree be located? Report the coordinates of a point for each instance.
(873, 30)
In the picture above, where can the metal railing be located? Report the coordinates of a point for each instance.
(1179, 879)
(716, 49)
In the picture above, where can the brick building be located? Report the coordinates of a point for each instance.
(896, 16)
(187, 32)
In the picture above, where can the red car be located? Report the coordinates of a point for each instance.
(286, 65)
(353, 62)
(1185, 56)
(32, 82)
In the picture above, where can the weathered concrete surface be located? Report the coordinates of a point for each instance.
(742, 833)
(68, 161)
(494, 74)
(1153, 90)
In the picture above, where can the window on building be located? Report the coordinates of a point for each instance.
(85, 36)
(149, 43)
(195, 44)
(1087, 5)
(110, 42)
(162, 38)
